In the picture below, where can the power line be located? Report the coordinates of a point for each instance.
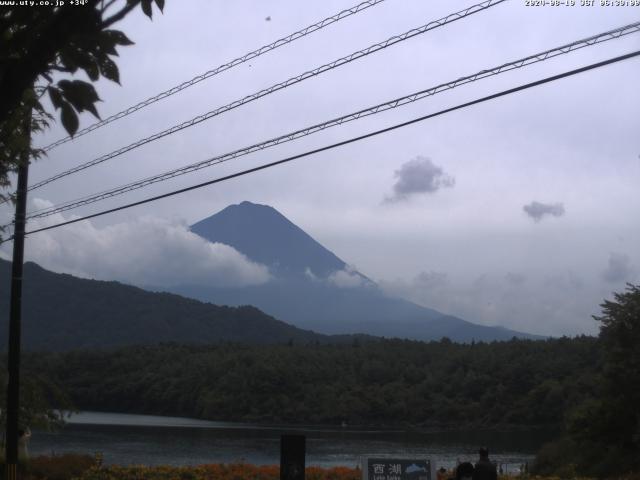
(279, 86)
(531, 59)
(344, 142)
(226, 66)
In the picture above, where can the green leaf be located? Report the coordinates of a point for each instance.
(67, 60)
(80, 94)
(91, 107)
(69, 119)
(85, 60)
(56, 97)
(38, 108)
(117, 37)
(107, 46)
(160, 4)
(146, 8)
(105, 43)
(109, 69)
(94, 111)
(92, 70)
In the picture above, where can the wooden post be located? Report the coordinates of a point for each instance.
(15, 313)
(292, 457)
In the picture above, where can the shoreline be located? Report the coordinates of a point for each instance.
(152, 420)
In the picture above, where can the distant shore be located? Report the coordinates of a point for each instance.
(127, 418)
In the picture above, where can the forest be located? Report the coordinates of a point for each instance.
(390, 382)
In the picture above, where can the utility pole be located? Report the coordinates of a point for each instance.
(15, 310)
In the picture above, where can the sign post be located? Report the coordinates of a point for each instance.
(388, 468)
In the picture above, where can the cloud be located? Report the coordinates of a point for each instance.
(310, 275)
(538, 210)
(546, 303)
(515, 278)
(146, 251)
(346, 278)
(618, 269)
(417, 176)
(431, 280)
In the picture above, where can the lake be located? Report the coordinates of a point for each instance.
(154, 440)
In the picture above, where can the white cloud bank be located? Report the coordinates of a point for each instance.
(346, 278)
(147, 251)
(555, 302)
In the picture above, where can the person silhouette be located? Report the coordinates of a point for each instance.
(464, 471)
(23, 441)
(485, 469)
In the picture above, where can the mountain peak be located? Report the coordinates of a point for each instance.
(247, 203)
(266, 236)
(250, 205)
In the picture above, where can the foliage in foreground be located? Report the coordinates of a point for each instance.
(60, 467)
(240, 471)
(42, 402)
(39, 45)
(55, 467)
(83, 467)
(603, 433)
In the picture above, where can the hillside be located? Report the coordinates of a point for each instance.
(63, 312)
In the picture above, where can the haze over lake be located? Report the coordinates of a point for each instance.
(155, 440)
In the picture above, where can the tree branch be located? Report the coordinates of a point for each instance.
(106, 7)
(120, 15)
(60, 69)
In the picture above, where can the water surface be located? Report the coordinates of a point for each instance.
(155, 440)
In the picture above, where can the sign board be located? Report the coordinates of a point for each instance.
(389, 468)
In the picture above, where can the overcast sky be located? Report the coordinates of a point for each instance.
(522, 212)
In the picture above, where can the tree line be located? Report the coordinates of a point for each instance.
(390, 382)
